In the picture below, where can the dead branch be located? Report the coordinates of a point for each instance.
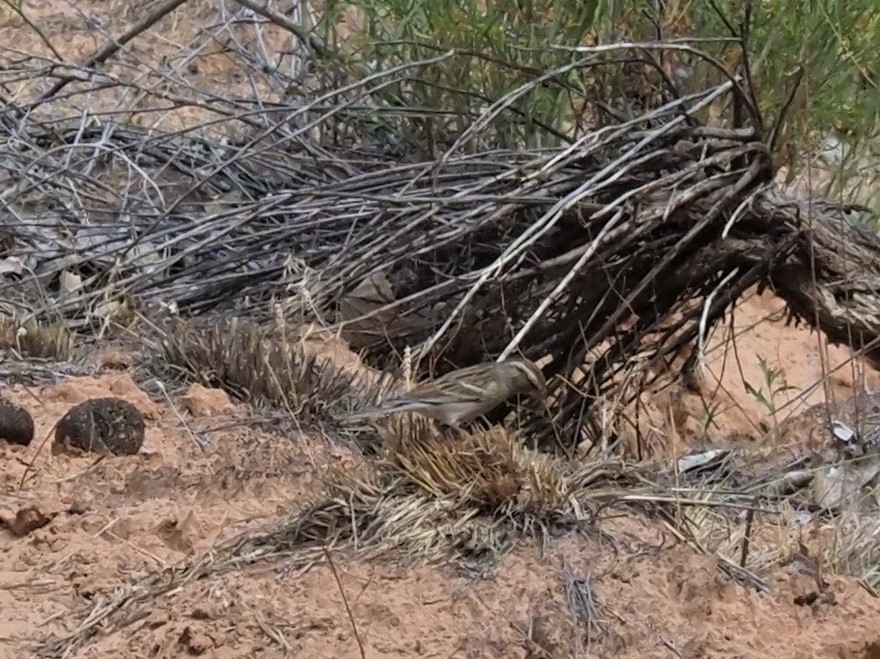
(610, 251)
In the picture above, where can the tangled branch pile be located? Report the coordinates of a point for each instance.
(608, 252)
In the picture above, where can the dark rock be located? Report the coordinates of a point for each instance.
(101, 425)
(16, 423)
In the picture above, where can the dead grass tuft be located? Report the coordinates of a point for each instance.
(790, 526)
(489, 469)
(845, 544)
(259, 365)
(32, 338)
(467, 499)
(853, 547)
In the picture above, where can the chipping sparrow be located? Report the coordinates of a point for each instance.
(463, 395)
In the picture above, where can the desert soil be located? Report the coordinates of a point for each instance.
(111, 522)
(106, 523)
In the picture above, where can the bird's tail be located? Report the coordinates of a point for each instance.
(390, 407)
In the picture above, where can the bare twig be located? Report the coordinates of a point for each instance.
(357, 636)
(33, 460)
(747, 533)
(110, 49)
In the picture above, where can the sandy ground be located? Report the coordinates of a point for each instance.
(117, 519)
(123, 517)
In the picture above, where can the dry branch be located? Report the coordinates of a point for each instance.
(617, 247)
(110, 49)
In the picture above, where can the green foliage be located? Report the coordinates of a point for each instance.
(768, 395)
(502, 45)
(499, 46)
(836, 45)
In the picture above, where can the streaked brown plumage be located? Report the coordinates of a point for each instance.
(465, 394)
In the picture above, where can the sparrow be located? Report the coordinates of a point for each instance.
(463, 395)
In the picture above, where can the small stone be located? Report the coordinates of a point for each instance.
(101, 425)
(195, 643)
(16, 423)
(114, 360)
(203, 401)
(78, 507)
(26, 520)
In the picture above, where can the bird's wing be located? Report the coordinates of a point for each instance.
(389, 407)
(463, 392)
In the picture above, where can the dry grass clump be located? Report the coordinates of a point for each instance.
(787, 525)
(852, 546)
(258, 365)
(844, 544)
(490, 469)
(435, 502)
(469, 498)
(32, 338)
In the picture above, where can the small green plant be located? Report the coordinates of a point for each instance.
(711, 412)
(775, 384)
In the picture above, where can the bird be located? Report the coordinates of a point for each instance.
(463, 395)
